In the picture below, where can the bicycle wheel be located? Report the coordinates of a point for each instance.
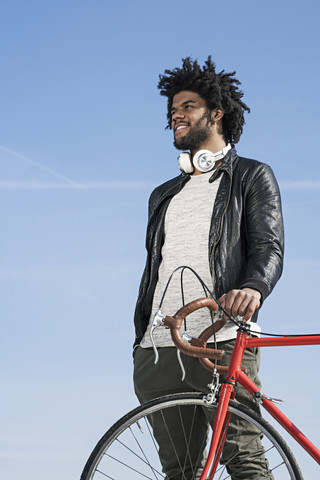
(129, 450)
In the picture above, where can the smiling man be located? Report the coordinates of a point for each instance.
(221, 217)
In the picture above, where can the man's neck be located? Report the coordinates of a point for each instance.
(214, 147)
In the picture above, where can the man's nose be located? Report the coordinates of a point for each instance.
(178, 114)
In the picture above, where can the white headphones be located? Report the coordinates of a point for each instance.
(203, 160)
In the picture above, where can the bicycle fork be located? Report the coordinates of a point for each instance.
(219, 431)
(222, 417)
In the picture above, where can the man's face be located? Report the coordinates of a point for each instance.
(190, 121)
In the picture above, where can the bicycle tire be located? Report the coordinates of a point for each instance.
(111, 456)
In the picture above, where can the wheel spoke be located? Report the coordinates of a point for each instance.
(154, 471)
(128, 466)
(173, 446)
(138, 456)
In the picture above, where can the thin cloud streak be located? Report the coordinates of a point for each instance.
(303, 262)
(127, 185)
(67, 272)
(42, 167)
(112, 186)
(300, 185)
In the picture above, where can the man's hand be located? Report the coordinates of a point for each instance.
(241, 302)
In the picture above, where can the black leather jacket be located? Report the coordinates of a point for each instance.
(246, 233)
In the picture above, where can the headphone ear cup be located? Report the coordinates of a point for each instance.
(185, 163)
(204, 161)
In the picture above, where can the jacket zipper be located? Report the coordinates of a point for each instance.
(220, 233)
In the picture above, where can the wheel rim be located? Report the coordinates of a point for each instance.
(129, 450)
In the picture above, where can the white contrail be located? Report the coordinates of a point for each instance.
(299, 185)
(107, 186)
(39, 165)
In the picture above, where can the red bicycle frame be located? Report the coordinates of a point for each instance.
(235, 374)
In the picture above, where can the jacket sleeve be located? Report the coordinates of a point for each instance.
(264, 231)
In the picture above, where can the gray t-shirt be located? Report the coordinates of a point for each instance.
(187, 225)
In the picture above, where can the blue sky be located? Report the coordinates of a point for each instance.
(82, 144)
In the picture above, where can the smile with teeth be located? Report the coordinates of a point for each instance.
(180, 127)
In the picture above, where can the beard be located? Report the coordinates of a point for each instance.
(197, 136)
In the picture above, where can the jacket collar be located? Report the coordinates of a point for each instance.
(175, 185)
(227, 165)
(172, 187)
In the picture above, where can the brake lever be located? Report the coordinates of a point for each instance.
(157, 321)
(187, 339)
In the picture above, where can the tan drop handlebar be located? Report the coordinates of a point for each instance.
(197, 347)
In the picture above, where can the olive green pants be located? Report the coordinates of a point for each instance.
(152, 381)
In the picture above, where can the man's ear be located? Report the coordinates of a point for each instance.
(216, 114)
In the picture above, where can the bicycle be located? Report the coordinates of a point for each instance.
(128, 449)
